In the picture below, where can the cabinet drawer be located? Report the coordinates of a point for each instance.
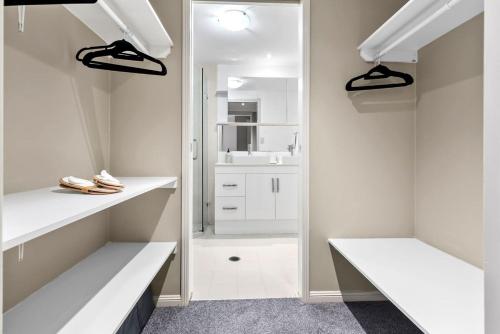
(229, 208)
(229, 184)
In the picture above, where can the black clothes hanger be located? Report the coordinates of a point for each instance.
(44, 2)
(118, 50)
(380, 72)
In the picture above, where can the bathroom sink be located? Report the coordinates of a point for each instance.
(253, 160)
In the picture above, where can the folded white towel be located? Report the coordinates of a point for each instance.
(78, 182)
(108, 178)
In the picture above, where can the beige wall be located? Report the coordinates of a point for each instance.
(361, 145)
(449, 143)
(146, 141)
(56, 124)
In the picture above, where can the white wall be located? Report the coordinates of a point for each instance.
(492, 165)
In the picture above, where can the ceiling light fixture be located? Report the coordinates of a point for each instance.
(269, 56)
(234, 83)
(234, 20)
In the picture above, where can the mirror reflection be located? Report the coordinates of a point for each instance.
(262, 115)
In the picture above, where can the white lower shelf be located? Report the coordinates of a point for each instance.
(95, 296)
(28, 215)
(438, 292)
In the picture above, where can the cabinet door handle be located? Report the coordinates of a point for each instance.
(272, 184)
(230, 208)
(229, 185)
(278, 185)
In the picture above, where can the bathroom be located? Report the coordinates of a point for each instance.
(246, 154)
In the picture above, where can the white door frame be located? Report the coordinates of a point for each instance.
(187, 162)
(187, 152)
(491, 166)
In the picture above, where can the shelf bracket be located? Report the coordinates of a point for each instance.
(20, 253)
(21, 14)
(122, 26)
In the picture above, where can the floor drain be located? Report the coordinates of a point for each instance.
(234, 259)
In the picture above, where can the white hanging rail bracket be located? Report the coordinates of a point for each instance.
(20, 253)
(111, 20)
(122, 26)
(21, 15)
(416, 24)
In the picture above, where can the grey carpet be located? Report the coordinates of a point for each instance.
(271, 316)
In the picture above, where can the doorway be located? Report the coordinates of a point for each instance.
(200, 152)
(247, 94)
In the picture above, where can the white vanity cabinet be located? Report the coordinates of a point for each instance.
(261, 199)
(287, 196)
(271, 196)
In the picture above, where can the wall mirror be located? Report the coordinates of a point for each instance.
(262, 114)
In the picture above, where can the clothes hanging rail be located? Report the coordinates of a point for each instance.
(415, 25)
(45, 2)
(446, 7)
(133, 20)
(123, 27)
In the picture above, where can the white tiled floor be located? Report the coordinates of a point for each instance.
(268, 268)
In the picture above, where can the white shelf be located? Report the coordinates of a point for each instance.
(438, 292)
(416, 24)
(28, 215)
(110, 18)
(95, 296)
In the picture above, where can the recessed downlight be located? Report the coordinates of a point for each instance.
(234, 20)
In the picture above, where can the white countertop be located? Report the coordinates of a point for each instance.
(438, 292)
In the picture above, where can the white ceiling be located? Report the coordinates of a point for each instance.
(274, 29)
